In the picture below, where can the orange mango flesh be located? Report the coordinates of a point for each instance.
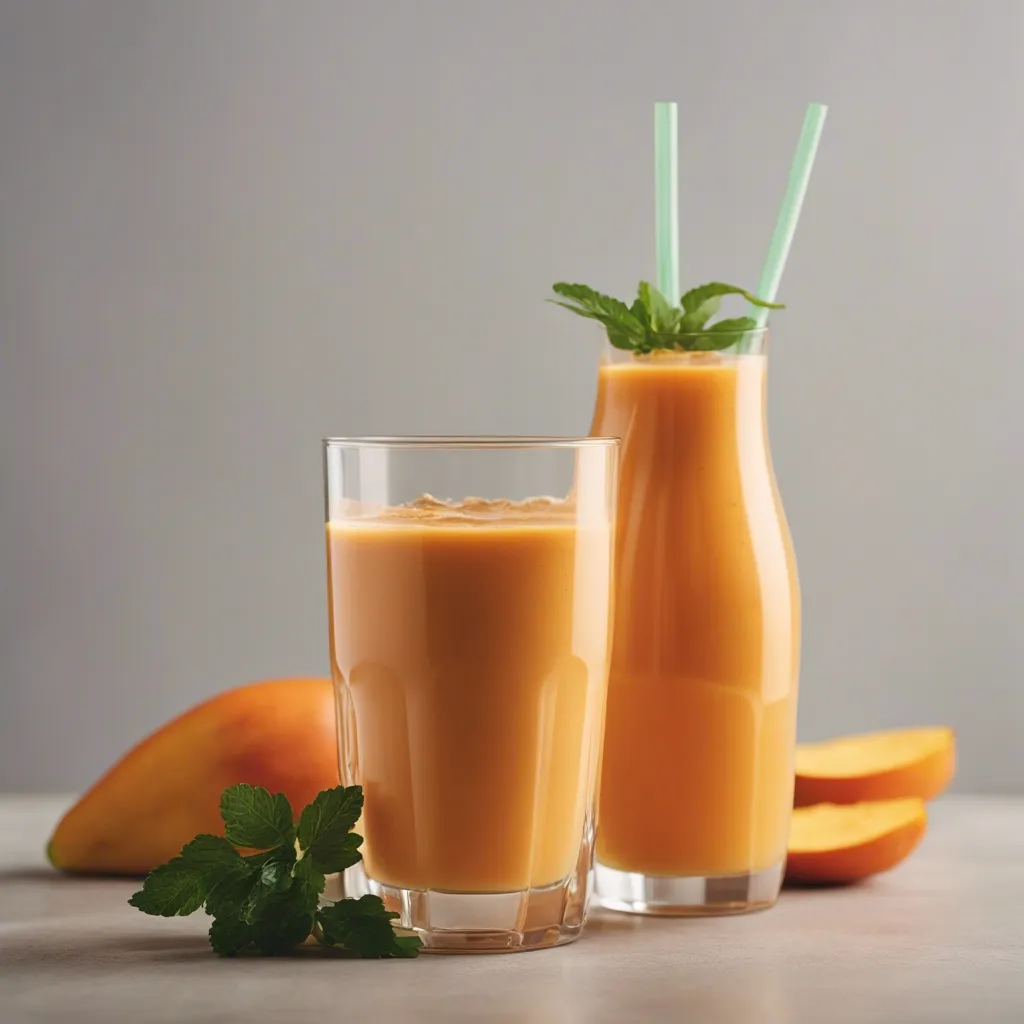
(875, 766)
(831, 843)
(280, 734)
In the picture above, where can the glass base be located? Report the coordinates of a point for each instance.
(505, 922)
(687, 896)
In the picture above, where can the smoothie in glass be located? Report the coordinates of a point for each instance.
(470, 639)
(470, 651)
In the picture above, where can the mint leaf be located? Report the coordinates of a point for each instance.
(640, 311)
(276, 875)
(619, 338)
(701, 304)
(624, 340)
(724, 334)
(363, 927)
(206, 868)
(254, 818)
(280, 922)
(608, 319)
(695, 321)
(694, 299)
(213, 856)
(227, 876)
(595, 304)
(230, 936)
(624, 329)
(174, 889)
(407, 946)
(736, 325)
(310, 880)
(340, 856)
(663, 318)
(281, 907)
(325, 828)
(229, 894)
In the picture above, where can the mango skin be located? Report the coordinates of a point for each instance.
(281, 734)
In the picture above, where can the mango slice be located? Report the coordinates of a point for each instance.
(831, 843)
(875, 766)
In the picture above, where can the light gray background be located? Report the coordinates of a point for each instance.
(229, 228)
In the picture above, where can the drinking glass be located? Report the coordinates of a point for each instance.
(469, 590)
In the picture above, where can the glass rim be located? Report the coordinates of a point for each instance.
(739, 333)
(469, 442)
(710, 330)
(665, 335)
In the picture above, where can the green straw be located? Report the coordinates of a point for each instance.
(666, 198)
(785, 226)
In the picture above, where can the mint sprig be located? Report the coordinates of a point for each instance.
(268, 902)
(651, 322)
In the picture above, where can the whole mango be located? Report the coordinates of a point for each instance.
(280, 734)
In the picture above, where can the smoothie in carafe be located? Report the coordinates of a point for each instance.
(698, 755)
(697, 772)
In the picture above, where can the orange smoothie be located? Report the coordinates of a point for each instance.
(698, 757)
(470, 647)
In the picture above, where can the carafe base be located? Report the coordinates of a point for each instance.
(687, 895)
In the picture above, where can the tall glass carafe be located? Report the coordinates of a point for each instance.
(697, 780)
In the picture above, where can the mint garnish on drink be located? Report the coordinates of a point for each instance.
(651, 322)
(269, 902)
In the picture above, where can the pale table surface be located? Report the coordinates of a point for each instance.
(940, 939)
